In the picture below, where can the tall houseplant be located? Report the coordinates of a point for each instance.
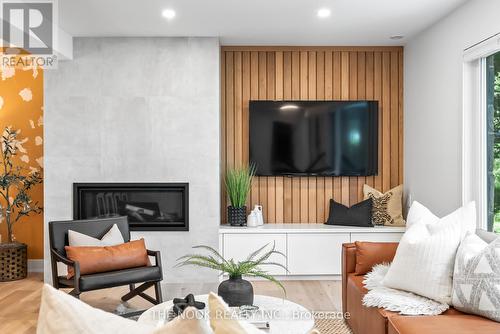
(236, 291)
(238, 182)
(15, 203)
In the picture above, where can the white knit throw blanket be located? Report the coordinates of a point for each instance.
(396, 300)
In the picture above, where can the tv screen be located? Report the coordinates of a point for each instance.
(330, 138)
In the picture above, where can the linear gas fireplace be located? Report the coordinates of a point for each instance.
(148, 206)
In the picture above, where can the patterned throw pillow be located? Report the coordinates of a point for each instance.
(380, 214)
(476, 278)
(393, 208)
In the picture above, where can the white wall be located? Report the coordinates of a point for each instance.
(138, 110)
(433, 103)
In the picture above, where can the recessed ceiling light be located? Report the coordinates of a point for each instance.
(168, 14)
(323, 12)
(396, 37)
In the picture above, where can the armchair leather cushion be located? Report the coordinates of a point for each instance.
(119, 277)
(108, 258)
(369, 254)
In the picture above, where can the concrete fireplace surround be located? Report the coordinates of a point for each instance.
(138, 110)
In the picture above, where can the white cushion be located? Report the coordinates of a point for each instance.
(61, 313)
(476, 278)
(419, 213)
(221, 319)
(425, 257)
(111, 238)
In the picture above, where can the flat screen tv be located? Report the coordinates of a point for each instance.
(329, 138)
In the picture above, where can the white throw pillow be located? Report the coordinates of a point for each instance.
(426, 253)
(111, 238)
(476, 278)
(419, 213)
(61, 313)
(221, 319)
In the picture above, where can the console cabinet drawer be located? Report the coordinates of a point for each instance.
(315, 254)
(239, 246)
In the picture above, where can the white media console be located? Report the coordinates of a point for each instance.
(312, 250)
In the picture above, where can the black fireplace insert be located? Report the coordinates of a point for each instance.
(148, 206)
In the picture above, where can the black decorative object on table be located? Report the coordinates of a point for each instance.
(180, 304)
(236, 291)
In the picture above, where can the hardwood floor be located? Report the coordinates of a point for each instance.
(19, 301)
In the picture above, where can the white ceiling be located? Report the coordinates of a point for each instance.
(285, 22)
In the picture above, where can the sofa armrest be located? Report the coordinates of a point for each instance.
(348, 266)
(359, 257)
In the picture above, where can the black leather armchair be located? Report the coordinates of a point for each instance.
(58, 237)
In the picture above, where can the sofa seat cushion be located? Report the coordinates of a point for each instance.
(448, 323)
(373, 320)
(119, 277)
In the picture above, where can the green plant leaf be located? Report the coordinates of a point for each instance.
(249, 267)
(268, 254)
(238, 182)
(211, 250)
(253, 254)
(198, 263)
(267, 276)
(207, 259)
(274, 264)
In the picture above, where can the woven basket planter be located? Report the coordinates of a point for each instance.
(13, 261)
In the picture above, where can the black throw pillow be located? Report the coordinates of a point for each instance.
(359, 214)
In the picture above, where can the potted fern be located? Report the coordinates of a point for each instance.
(238, 182)
(236, 291)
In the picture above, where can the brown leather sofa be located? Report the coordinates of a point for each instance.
(371, 320)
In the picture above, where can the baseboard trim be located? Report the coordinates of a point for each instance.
(35, 266)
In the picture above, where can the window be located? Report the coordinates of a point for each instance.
(481, 131)
(492, 90)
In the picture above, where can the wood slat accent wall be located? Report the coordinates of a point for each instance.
(310, 73)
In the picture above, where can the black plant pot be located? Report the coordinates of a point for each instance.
(236, 291)
(237, 216)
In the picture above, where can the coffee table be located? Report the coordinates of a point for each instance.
(283, 315)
